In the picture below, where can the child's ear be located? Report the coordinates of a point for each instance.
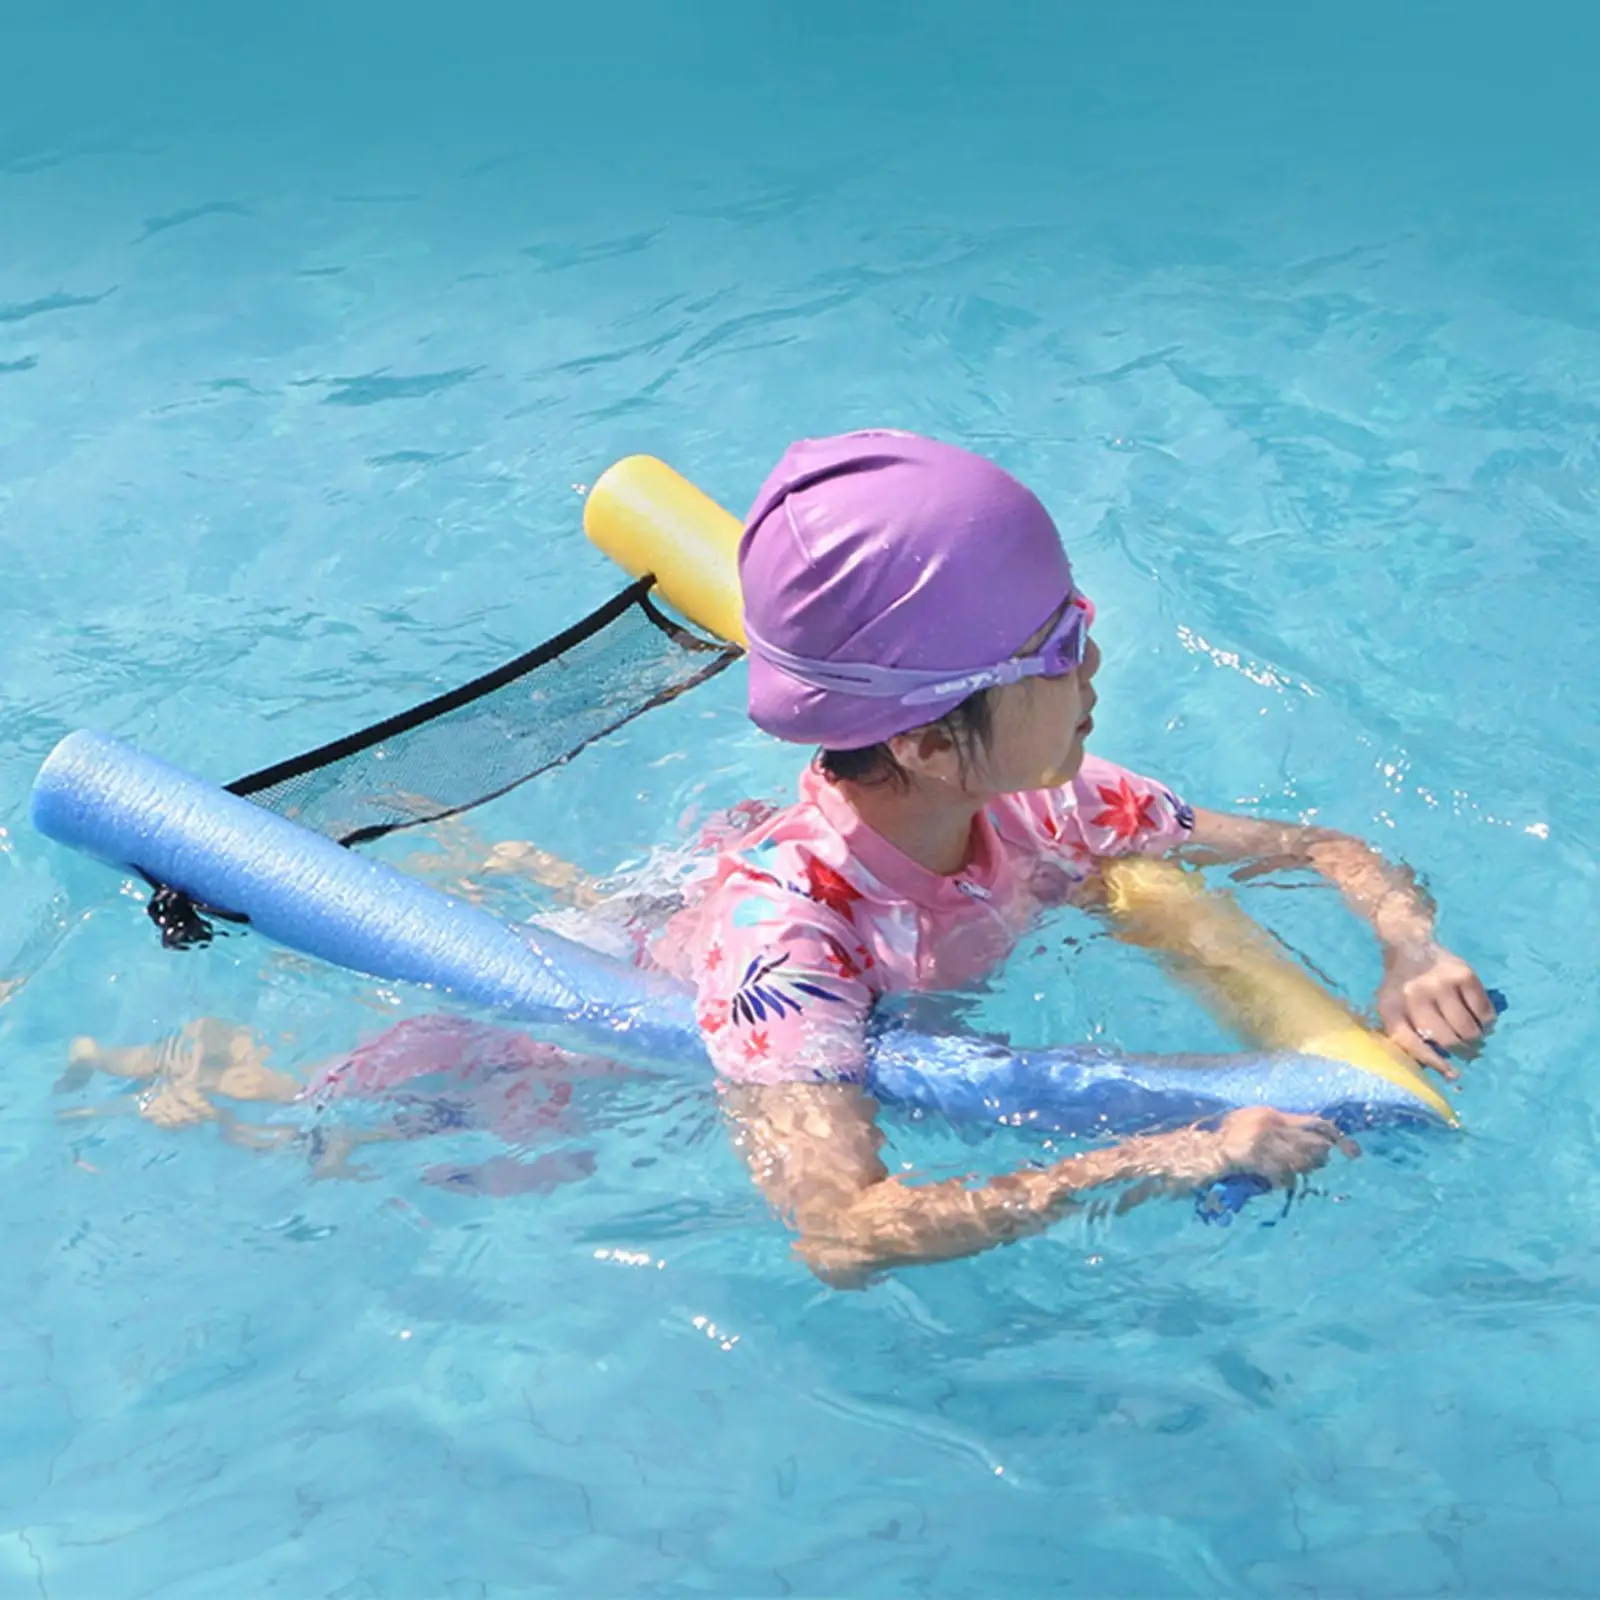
(928, 752)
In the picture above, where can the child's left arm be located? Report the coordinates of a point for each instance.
(1430, 1000)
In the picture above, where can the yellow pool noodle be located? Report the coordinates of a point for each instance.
(1241, 972)
(650, 520)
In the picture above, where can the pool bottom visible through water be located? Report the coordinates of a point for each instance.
(313, 337)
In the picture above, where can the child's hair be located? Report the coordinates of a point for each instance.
(969, 726)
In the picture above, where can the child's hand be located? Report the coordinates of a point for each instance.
(1431, 1001)
(1275, 1145)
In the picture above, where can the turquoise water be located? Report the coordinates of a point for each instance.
(312, 331)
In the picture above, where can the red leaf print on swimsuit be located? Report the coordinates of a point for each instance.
(1127, 812)
(830, 888)
(844, 964)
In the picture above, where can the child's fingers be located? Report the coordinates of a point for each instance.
(1443, 1021)
(1421, 1051)
(1334, 1136)
(1299, 1144)
(1411, 1025)
(1478, 1002)
(1467, 1050)
(1453, 1008)
(1433, 1025)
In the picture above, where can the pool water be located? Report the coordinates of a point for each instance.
(313, 328)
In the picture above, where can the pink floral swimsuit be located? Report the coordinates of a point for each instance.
(793, 934)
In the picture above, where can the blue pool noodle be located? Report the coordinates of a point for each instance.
(127, 808)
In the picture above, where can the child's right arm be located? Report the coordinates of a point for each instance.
(785, 989)
(813, 1149)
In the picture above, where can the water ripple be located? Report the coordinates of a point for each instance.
(177, 219)
(561, 257)
(377, 388)
(23, 310)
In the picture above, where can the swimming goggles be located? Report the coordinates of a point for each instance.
(1062, 652)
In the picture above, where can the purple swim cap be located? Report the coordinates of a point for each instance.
(893, 551)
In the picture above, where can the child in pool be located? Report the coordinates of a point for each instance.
(911, 610)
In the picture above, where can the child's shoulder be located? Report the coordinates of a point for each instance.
(781, 873)
(779, 884)
(1105, 810)
(781, 927)
(794, 860)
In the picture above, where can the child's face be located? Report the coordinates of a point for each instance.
(1038, 731)
(1036, 734)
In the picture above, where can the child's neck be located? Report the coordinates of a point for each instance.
(931, 823)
